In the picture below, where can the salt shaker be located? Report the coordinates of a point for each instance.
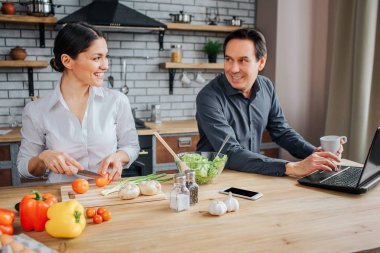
(179, 195)
(192, 186)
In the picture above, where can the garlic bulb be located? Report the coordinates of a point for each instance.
(217, 207)
(129, 191)
(150, 187)
(231, 203)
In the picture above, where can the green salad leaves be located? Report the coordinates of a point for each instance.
(205, 170)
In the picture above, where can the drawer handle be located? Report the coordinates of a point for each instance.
(143, 152)
(184, 142)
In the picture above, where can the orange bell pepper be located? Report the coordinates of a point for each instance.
(33, 209)
(6, 219)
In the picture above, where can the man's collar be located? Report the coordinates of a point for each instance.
(229, 89)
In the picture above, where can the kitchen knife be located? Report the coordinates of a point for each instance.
(88, 173)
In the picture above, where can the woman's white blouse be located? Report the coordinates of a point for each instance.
(107, 127)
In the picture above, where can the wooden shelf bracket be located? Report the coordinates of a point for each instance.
(171, 80)
(42, 35)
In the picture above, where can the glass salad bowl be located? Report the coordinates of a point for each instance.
(207, 167)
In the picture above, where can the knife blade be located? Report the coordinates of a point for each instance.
(88, 173)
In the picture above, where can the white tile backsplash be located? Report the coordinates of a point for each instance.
(149, 84)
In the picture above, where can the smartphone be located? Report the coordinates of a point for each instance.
(241, 193)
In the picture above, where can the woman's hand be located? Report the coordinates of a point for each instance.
(60, 162)
(115, 162)
(315, 161)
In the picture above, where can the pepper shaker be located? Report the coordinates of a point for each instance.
(192, 186)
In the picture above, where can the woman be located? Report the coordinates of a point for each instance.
(80, 125)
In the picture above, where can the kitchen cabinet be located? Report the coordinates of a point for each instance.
(187, 142)
(8, 160)
(181, 142)
(5, 165)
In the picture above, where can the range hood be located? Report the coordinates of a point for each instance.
(110, 15)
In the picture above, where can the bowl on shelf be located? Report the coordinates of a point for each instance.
(18, 53)
(207, 167)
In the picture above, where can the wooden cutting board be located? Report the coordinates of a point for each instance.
(93, 198)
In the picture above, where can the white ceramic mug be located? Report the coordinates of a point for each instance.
(185, 79)
(331, 143)
(199, 78)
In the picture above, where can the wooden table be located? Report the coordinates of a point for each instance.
(288, 218)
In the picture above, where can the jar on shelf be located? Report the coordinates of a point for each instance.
(176, 53)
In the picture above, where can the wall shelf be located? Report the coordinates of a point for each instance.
(205, 28)
(41, 21)
(27, 19)
(25, 64)
(173, 66)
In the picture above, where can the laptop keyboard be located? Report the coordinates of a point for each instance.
(348, 177)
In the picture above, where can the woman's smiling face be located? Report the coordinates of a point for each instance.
(90, 65)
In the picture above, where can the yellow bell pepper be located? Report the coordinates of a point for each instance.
(66, 219)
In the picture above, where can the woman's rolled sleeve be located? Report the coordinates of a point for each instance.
(32, 142)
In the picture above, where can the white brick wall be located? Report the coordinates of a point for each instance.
(148, 83)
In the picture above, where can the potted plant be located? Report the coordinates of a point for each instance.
(212, 48)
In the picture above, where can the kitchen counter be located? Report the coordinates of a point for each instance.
(166, 127)
(288, 218)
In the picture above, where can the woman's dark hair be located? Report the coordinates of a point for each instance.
(253, 35)
(73, 39)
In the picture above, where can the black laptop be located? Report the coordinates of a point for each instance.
(350, 179)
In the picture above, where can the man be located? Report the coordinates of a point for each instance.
(243, 104)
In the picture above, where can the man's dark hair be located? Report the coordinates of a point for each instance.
(253, 35)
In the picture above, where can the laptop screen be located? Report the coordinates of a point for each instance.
(372, 164)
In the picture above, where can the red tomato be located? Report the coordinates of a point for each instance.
(90, 212)
(100, 210)
(102, 181)
(106, 215)
(80, 185)
(97, 219)
(8, 230)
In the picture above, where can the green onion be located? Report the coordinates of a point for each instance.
(135, 180)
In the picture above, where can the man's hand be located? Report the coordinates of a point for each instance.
(316, 161)
(339, 152)
(60, 162)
